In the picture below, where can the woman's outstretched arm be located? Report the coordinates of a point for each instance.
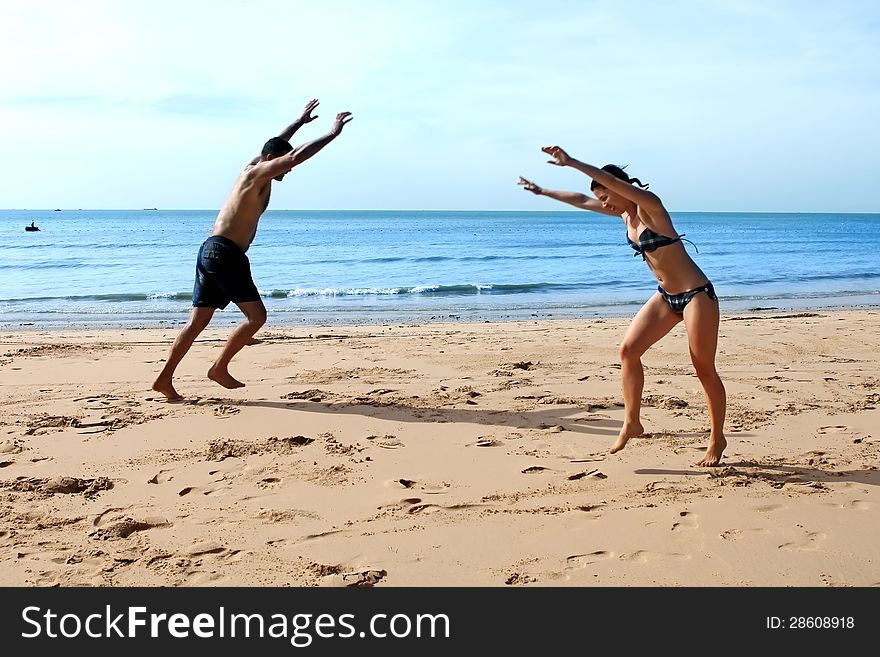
(641, 197)
(576, 199)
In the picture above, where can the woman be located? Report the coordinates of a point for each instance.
(683, 294)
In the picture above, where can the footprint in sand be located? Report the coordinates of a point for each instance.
(205, 547)
(209, 555)
(736, 534)
(62, 555)
(61, 485)
(407, 503)
(593, 417)
(160, 477)
(644, 556)
(100, 519)
(285, 515)
(199, 578)
(520, 579)
(687, 520)
(837, 428)
(767, 508)
(810, 543)
(577, 561)
(198, 489)
(224, 411)
(415, 505)
(421, 486)
(360, 579)
(386, 442)
(591, 508)
(590, 458)
(485, 442)
(595, 474)
(268, 482)
(551, 428)
(287, 541)
(127, 526)
(431, 508)
(535, 469)
(11, 446)
(858, 505)
(228, 466)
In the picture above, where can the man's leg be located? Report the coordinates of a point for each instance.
(254, 318)
(198, 320)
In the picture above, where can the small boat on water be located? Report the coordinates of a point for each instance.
(32, 227)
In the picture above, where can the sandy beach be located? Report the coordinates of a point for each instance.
(441, 454)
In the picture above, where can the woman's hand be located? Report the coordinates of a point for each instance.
(529, 186)
(560, 157)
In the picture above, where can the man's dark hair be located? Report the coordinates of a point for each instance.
(276, 146)
(618, 172)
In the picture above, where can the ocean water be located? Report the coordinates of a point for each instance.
(136, 267)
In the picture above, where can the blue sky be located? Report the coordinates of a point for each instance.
(721, 105)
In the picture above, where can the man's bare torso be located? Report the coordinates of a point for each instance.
(242, 210)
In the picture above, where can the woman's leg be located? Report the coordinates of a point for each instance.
(651, 323)
(701, 317)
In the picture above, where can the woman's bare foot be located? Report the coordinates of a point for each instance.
(714, 452)
(629, 430)
(166, 388)
(224, 378)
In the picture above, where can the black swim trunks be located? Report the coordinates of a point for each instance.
(223, 274)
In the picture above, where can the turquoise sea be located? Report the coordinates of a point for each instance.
(136, 267)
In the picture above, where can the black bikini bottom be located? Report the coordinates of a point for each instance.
(678, 301)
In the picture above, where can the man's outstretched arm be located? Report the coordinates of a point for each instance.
(304, 152)
(305, 117)
(285, 163)
(287, 133)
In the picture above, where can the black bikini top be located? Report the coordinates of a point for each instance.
(650, 241)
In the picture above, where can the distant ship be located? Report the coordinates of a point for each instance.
(151, 208)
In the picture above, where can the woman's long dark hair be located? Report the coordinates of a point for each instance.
(617, 172)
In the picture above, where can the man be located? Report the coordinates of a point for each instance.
(223, 272)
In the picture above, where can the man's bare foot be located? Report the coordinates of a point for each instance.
(167, 389)
(224, 378)
(629, 430)
(714, 452)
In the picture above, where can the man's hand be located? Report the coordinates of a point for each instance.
(305, 117)
(560, 157)
(341, 119)
(307, 112)
(302, 153)
(529, 186)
